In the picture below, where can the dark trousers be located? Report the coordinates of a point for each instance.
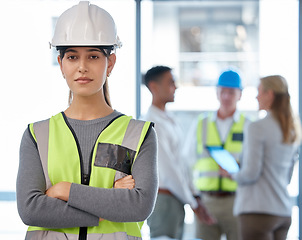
(263, 227)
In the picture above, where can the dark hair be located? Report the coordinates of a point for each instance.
(153, 74)
(106, 50)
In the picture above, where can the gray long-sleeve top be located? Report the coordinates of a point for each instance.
(266, 170)
(86, 204)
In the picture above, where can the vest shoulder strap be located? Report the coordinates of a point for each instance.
(202, 128)
(41, 132)
(133, 134)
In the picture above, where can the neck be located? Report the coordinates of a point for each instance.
(90, 108)
(159, 104)
(223, 113)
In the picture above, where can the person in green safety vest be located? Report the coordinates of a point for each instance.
(224, 129)
(88, 172)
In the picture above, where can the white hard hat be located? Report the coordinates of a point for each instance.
(85, 24)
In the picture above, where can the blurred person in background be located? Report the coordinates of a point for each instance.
(262, 202)
(224, 129)
(175, 186)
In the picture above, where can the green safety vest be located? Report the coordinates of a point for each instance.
(206, 170)
(61, 161)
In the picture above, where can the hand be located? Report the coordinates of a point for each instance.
(203, 214)
(59, 191)
(224, 173)
(125, 182)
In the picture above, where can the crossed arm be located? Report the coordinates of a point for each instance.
(61, 190)
(85, 205)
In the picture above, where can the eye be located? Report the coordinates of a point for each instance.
(94, 57)
(71, 57)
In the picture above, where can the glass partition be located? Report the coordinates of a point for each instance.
(199, 39)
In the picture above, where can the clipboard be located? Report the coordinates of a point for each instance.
(223, 158)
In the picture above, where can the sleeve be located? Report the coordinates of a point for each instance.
(189, 153)
(295, 159)
(34, 207)
(124, 205)
(245, 130)
(173, 168)
(189, 150)
(253, 149)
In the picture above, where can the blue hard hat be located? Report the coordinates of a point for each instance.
(229, 79)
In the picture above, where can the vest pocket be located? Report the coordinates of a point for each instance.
(237, 137)
(114, 156)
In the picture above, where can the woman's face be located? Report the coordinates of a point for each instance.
(85, 70)
(265, 98)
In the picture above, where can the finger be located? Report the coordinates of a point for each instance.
(129, 182)
(128, 177)
(208, 219)
(211, 221)
(131, 185)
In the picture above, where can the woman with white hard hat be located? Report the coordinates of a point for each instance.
(88, 172)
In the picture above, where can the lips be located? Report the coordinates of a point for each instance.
(83, 80)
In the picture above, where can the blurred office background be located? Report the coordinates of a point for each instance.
(198, 39)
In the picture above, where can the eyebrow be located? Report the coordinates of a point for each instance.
(70, 50)
(94, 50)
(89, 50)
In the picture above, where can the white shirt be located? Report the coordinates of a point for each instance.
(174, 174)
(224, 125)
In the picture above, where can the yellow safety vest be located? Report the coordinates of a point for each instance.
(206, 170)
(61, 161)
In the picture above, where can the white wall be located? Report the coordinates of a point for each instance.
(32, 88)
(278, 54)
(279, 42)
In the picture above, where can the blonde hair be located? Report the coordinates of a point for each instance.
(281, 107)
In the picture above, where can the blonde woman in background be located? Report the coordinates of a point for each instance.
(262, 203)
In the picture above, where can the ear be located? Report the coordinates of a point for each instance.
(240, 94)
(270, 94)
(60, 63)
(111, 62)
(153, 86)
(217, 93)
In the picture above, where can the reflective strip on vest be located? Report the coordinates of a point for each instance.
(51, 235)
(42, 134)
(207, 135)
(55, 141)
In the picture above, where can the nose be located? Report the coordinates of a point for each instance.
(175, 86)
(225, 95)
(82, 67)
